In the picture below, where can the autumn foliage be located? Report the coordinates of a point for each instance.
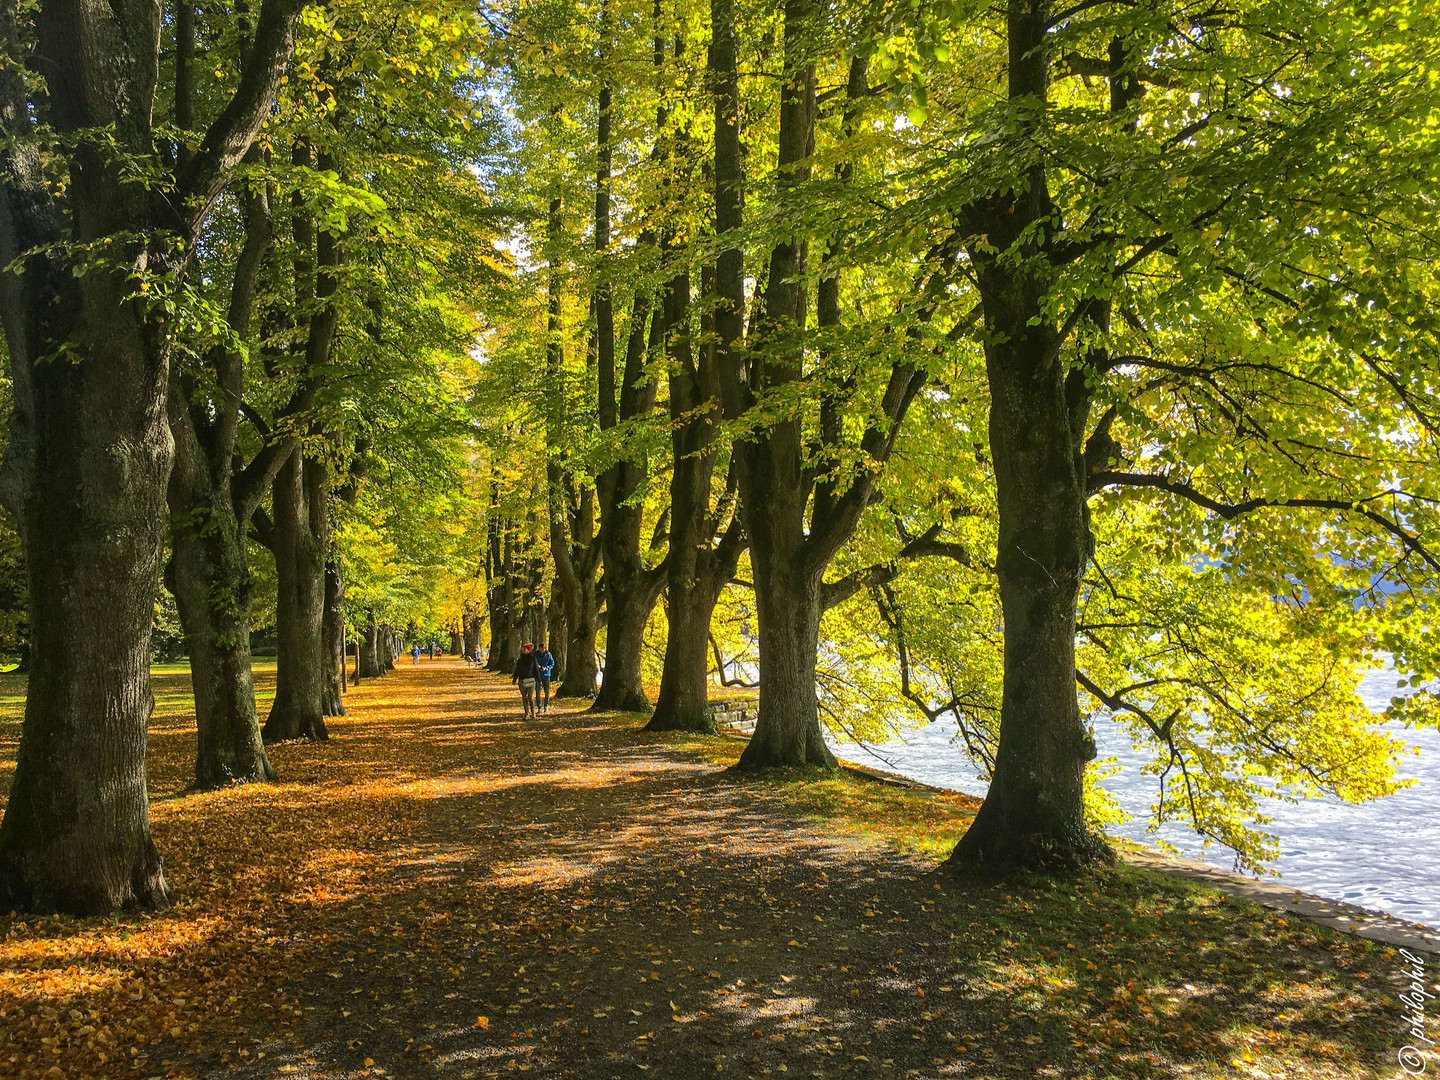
(443, 890)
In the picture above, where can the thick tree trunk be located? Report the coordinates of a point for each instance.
(332, 641)
(684, 698)
(773, 484)
(582, 666)
(210, 579)
(631, 589)
(76, 832)
(369, 665)
(557, 637)
(697, 568)
(572, 500)
(298, 711)
(1034, 813)
(212, 493)
(90, 448)
(787, 729)
(623, 687)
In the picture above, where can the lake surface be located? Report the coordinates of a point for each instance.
(1383, 855)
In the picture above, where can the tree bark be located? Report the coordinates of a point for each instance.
(631, 588)
(581, 673)
(697, 567)
(332, 641)
(212, 494)
(789, 615)
(501, 593)
(1034, 813)
(773, 484)
(573, 544)
(90, 449)
(368, 664)
(209, 576)
(301, 525)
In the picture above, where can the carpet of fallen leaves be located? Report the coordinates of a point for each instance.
(443, 890)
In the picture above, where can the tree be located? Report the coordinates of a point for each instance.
(706, 539)
(1218, 275)
(99, 226)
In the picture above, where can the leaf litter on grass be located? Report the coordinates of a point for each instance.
(443, 890)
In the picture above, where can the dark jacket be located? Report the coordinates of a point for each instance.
(526, 668)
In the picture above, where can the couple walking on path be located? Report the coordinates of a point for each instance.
(532, 675)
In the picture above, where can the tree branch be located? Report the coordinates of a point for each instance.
(1229, 511)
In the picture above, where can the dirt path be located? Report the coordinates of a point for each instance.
(557, 898)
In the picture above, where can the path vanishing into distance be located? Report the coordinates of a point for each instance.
(443, 889)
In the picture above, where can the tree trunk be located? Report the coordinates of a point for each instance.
(1034, 813)
(76, 832)
(582, 666)
(697, 568)
(623, 688)
(474, 627)
(773, 484)
(368, 664)
(787, 729)
(299, 506)
(212, 494)
(210, 579)
(684, 698)
(557, 637)
(630, 588)
(90, 449)
(332, 637)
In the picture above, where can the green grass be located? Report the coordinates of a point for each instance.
(1119, 972)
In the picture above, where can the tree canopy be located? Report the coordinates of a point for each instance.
(1034, 367)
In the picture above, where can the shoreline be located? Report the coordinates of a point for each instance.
(1339, 915)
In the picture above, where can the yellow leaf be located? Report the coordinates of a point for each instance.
(482, 1022)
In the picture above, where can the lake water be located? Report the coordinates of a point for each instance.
(1383, 855)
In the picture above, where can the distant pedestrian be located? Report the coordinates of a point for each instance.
(545, 664)
(415, 656)
(527, 673)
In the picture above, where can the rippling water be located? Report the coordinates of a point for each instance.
(1383, 855)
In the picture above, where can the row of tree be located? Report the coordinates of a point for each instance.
(1020, 364)
(1013, 364)
(246, 258)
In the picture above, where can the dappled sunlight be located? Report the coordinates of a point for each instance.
(459, 889)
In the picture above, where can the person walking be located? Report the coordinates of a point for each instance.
(545, 665)
(415, 656)
(527, 672)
